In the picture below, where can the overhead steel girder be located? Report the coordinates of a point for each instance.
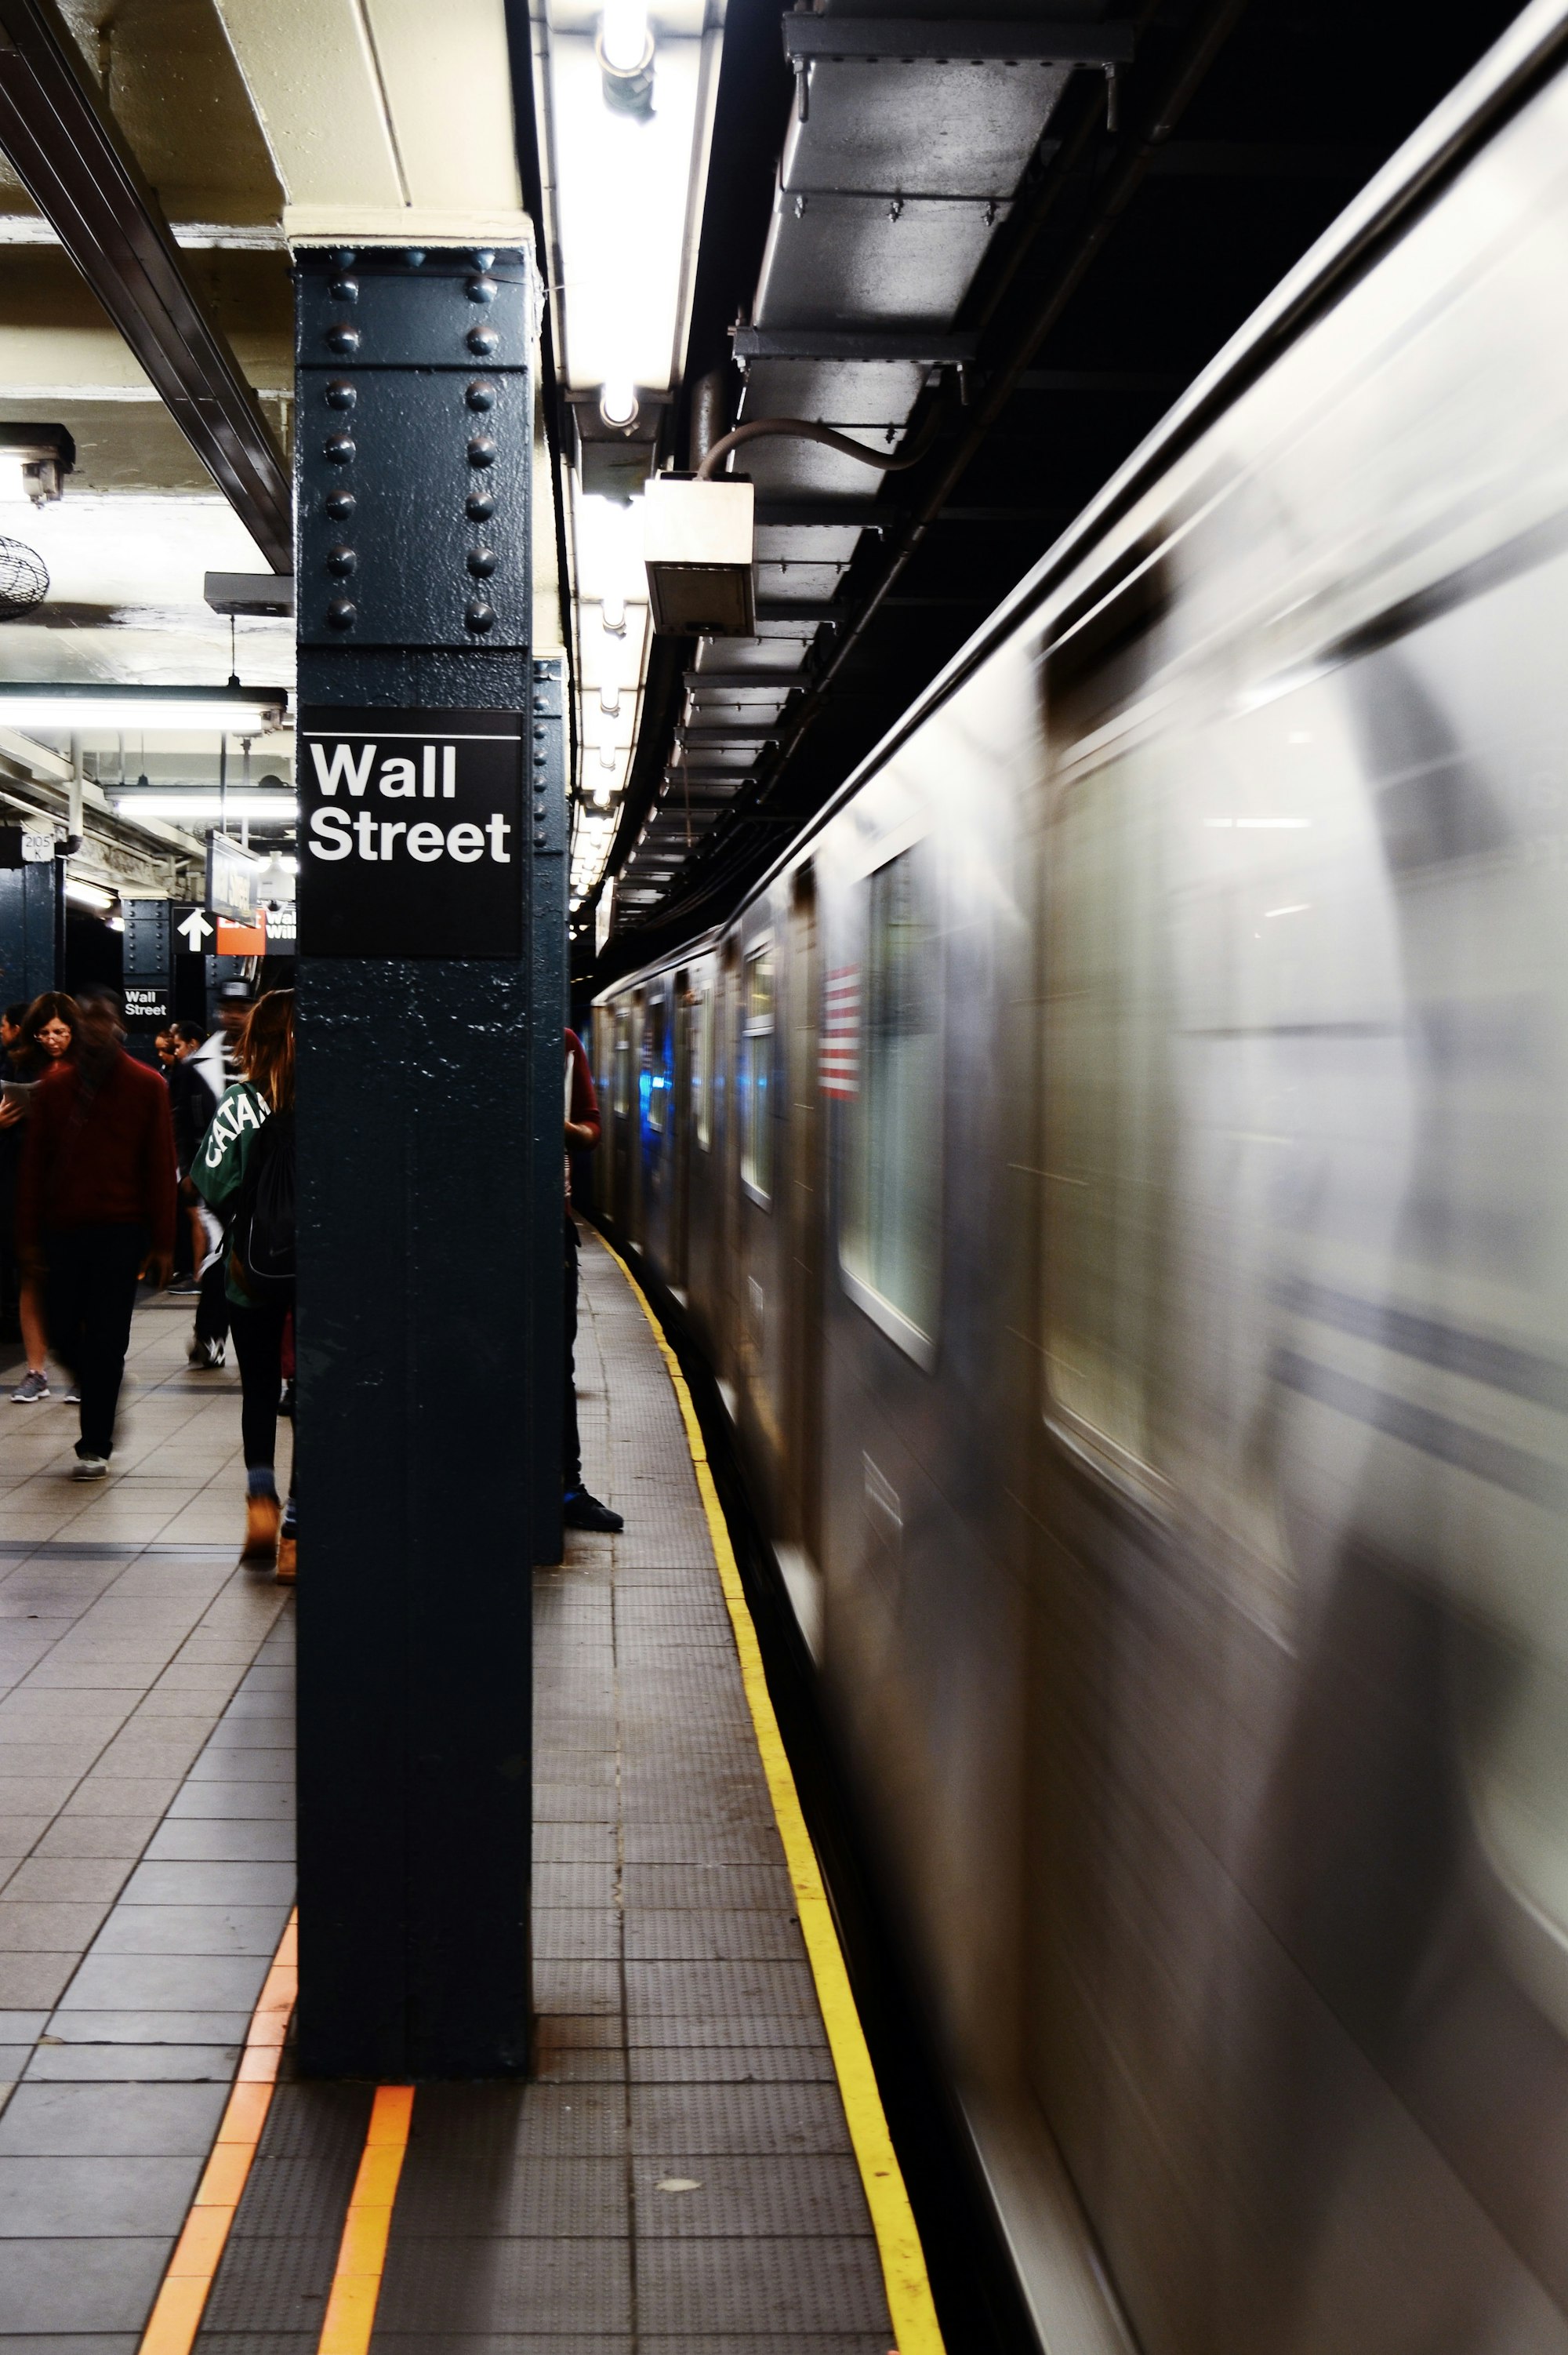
(78, 170)
(897, 39)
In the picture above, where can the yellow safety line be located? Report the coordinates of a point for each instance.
(362, 2253)
(909, 2299)
(182, 2300)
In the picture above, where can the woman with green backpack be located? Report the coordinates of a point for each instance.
(244, 1170)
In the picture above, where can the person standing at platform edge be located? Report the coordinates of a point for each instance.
(580, 1509)
(244, 1172)
(96, 1206)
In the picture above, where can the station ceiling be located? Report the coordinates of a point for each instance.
(999, 243)
(991, 244)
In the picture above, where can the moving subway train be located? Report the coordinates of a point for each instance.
(1117, 1164)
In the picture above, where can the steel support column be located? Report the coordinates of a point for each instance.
(432, 1003)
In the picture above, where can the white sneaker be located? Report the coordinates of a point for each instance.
(30, 1389)
(89, 1468)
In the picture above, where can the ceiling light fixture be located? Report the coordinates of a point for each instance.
(203, 711)
(618, 403)
(89, 895)
(625, 48)
(612, 616)
(256, 809)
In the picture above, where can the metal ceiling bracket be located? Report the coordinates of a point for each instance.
(904, 41)
(78, 171)
(917, 344)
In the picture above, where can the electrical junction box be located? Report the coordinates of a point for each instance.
(697, 541)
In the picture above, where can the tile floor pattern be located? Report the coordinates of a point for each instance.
(146, 1838)
(680, 2180)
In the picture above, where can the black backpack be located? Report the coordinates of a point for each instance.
(263, 1234)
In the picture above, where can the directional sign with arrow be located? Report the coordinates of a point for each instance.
(195, 930)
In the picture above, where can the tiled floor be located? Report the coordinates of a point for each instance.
(679, 2178)
(125, 1626)
(175, 1478)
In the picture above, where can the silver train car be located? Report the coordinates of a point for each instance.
(1118, 1165)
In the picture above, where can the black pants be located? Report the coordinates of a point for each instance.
(89, 1293)
(212, 1303)
(257, 1333)
(571, 1445)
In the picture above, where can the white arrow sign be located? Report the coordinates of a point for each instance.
(195, 928)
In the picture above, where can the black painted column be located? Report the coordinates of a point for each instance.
(430, 975)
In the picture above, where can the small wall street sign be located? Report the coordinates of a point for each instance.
(411, 833)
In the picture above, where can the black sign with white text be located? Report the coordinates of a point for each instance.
(411, 833)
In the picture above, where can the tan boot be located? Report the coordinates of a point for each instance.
(286, 1551)
(263, 1514)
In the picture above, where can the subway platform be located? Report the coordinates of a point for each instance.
(690, 2167)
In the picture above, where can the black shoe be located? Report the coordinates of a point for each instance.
(582, 1511)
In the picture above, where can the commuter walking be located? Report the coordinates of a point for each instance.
(96, 1206)
(193, 1104)
(214, 1066)
(580, 1509)
(45, 1036)
(11, 1113)
(245, 1172)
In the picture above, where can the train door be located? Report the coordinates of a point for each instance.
(654, 1104)
(807, 1206)
(623, 1133)
(681, 1006)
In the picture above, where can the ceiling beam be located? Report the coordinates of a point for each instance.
(902, 39)
(78, 171)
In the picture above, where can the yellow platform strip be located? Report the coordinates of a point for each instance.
(182, 2299)
(909, 2300)
(362, 2253)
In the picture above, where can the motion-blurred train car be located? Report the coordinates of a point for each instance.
(1118, 1162)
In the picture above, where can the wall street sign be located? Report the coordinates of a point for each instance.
(411, 834)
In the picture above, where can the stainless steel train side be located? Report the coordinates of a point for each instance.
(1118, 1164)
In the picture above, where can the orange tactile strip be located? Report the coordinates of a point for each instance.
(182, 2300)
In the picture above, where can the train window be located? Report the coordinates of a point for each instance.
(890, 1233)
(1104, 1040)
(756, 1074)
(700, 1014)
(620, 1099)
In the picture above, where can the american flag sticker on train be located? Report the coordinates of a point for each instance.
(840, 1032)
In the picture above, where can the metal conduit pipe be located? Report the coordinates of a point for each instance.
(803, 428)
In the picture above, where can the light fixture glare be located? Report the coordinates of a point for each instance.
(205, 713)
(617, 401)
(623, 35)
(280, 808)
